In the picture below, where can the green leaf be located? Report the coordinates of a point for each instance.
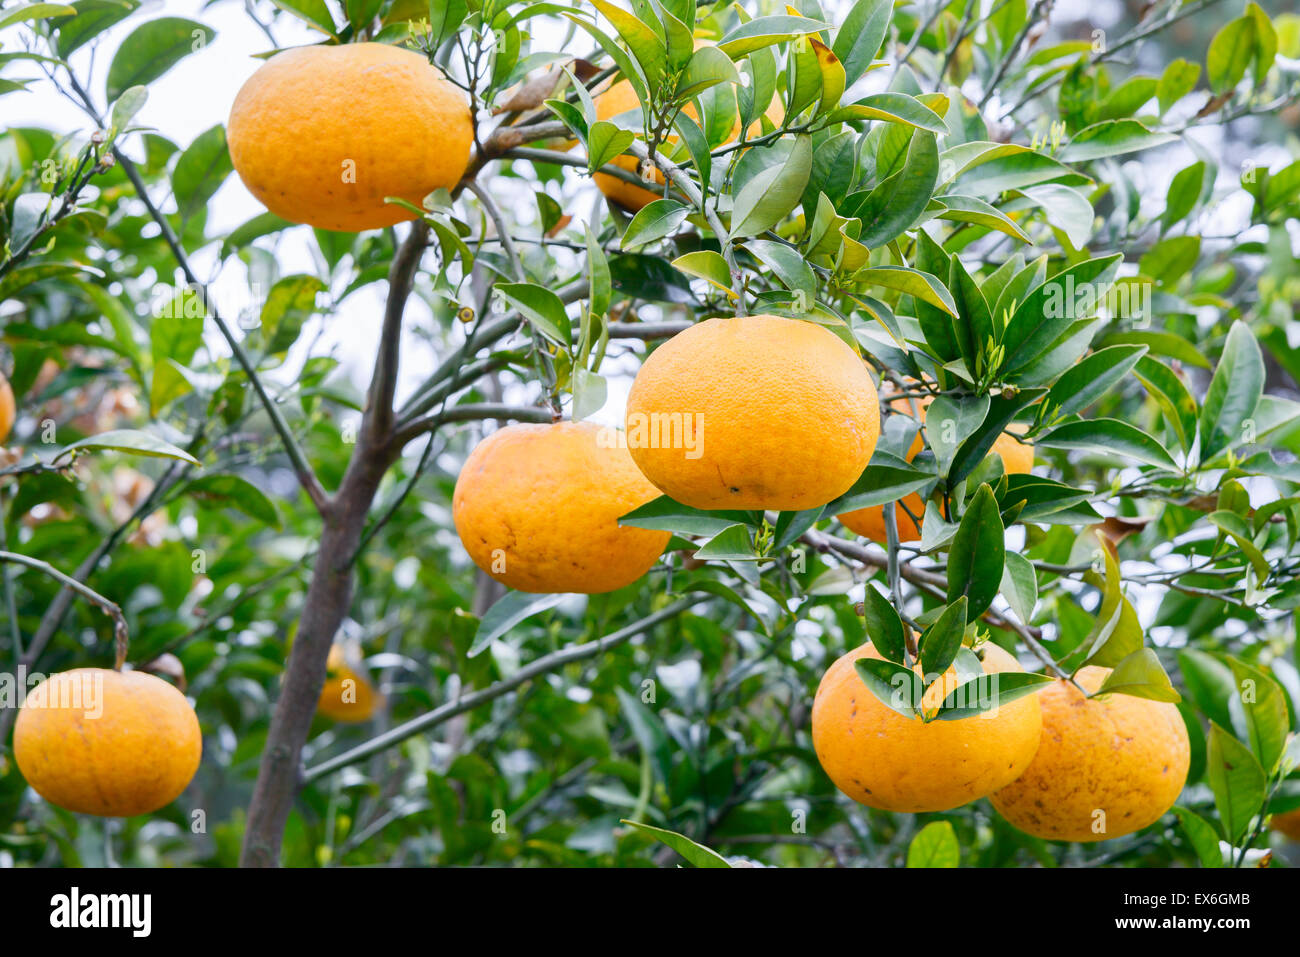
(1065, 208)
(804, 78)
(893, 108)
(646, 46)
(1238, 529)
(649, 733)
(1048, 310)
(996, 169)
(543, 309)
(604, 142)
(1234, 392)
(664, 514)
(600, 283)
(200, 171)
(707, 67)
(1161, 344)
(969, 209)
(238, 493)
(1111, 138)
(773, 192)
(884, 626)
(695, 854)
(34, 11)
(940, 642)
(885, 479)
(913, 282)
(509, 610)
(1109, 437)
(766, 31)
(1140, 675)
(1265, 43)
(786, 264)
(1093, 377)
(1129, 97)
(653, 222)
(1264, 715)
(898, 202)
(1020, 585)
(1237, 780)
(859, 37)
(1209, 682)
(445, 18)
(153, 49)
(989, 692)
(1204, 838)
(130, 441)
(1176, 82)
(1231, 51)
(289, 304)
(897, 688)
(93, 18)
(732, 544)
(1184, 193)
(950, 421)
(977, 556)
(589, 393)
(935, 845)
(1170, 259)
(1003, 409)
(707, 265)
(315, 13)
(1171, 394)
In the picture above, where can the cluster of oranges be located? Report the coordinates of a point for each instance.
(760, 413)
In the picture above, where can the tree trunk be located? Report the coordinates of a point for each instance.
(328, 598)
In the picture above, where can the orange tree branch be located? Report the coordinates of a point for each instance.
(547, 663)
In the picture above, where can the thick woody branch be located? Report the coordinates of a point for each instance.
(377, 425)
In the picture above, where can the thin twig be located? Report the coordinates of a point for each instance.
(110, 608)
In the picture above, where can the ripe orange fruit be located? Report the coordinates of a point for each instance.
(8, 409)
(322, 134)
(1105, 766)
(621, 98)
(885, 760)
(347, 694)
(1288, 824)
(537, 508)
(109, 743)
(1017, 458)
(753, 412)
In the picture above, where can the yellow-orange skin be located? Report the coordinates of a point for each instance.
(1288, 824)
(621, 98)
(8, 410)
(887, 761)
(537, 508)
(109, 743)
(1017, 459)
(783, 413)
(322, 134)
(346, 696)
(1121, 755)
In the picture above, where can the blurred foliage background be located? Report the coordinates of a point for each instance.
(700, 724)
